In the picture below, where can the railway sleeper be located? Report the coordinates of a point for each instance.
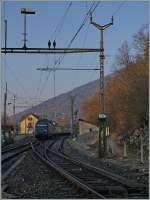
(112, 190)
(64, 164)
(68, 176)
(9, 156)
(138, 196)
(75, 170)
(141, 190)
(110, 175)
(94, 181)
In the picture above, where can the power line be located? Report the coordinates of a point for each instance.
(40, 80)
(118, 8)
(90, 11)
(79, 29)
(38, 85)
(43, 88)
(18, 81)
(80, 56)
(56, 32)
(61, 23)
(88, 14)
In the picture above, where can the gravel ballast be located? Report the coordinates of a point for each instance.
(131, 169)
(33, 179)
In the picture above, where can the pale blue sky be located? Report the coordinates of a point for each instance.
(20, 70)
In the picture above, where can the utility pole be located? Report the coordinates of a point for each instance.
(54, 81)
(72, 114)
(14, 113)
(5, 103)
(102, 116)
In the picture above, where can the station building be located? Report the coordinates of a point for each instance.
(27, 123)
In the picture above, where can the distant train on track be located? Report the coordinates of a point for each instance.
(46, 129)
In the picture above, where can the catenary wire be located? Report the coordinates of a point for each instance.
(118, 8)
(57, 31)
(88, 14)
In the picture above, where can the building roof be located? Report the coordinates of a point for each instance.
(23, 117)
(83, 120)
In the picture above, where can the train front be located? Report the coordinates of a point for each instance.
(42, 129)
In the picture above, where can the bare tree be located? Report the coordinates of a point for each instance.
(123, 58)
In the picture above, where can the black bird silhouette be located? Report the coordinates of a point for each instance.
(54, 44)
(49, 44)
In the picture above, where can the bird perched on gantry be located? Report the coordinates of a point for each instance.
(49, 44)
(54, 44)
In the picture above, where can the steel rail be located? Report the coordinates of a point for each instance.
(12, 155)
(81, 177)
(7, 155)
(12, 167)
(129, 185)
(14, 148)
(68, 176)
(24, 141)
(115, 177)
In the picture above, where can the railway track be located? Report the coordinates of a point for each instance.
(21, 142)
(66, 188)
(12, 152)
(94, 182)
(12, 156)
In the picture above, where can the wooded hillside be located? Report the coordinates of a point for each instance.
(126, 93)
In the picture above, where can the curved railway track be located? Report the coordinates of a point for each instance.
(92, 181)
(65, 188)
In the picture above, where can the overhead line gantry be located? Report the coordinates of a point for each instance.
(65, 68)
(48, 50)
(102, 149)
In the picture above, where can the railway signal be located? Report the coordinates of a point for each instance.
(14, 113)
(26, 11)
(5, 104)
(72, 99)
(5, 33)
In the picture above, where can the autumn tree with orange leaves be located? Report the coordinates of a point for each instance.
(126, 92)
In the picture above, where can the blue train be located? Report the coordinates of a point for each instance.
(44, 128)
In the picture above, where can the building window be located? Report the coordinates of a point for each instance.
(29, 118)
